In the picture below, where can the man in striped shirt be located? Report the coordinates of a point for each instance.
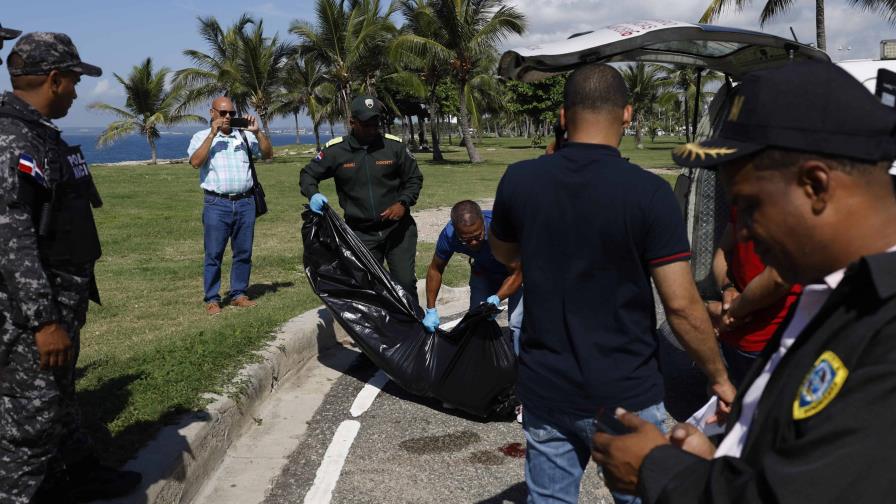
(222, 156)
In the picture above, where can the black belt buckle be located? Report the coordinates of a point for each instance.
(231, 197)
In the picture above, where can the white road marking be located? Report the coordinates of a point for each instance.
(328, 473)
(368, 393)
(334, 459)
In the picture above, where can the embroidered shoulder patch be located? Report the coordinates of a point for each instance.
(333, 142)
(820, 386)
(392, 137)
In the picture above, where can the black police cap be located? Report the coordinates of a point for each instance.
(810, 107)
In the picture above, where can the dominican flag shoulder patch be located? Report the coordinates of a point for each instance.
(29, 166)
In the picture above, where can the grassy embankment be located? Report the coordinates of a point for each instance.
(150, 351)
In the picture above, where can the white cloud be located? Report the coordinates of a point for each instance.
(846, 26)
(104, 88)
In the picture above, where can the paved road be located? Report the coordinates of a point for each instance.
(411, 450)
(407, 449)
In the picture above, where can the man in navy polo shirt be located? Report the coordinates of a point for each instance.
(490, 280)
(591, 230)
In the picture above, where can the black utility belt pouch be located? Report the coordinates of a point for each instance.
(261, 206)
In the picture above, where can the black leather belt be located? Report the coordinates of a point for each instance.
(232, 197)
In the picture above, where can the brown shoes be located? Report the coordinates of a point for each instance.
(213, 308)
(243, 302)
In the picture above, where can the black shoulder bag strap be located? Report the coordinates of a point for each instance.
(261, 206)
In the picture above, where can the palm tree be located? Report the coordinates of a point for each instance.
(460, 33)
(646, 83)
(304, 88)
(217, 72)
(345, 39)
(261, 62)
(773, 8)
(683, 79)
(431, 68)
(149, 104)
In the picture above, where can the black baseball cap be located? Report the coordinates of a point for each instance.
(9, 33)
(365, 107)
(44, 52)
(808, 106)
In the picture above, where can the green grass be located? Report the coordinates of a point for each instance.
(150, 352)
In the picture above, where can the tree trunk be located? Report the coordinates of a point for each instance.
(687, 116)
(346, 101)
(820, 36)
(333, 135)
(434, 129)
(317, 135)
(421, 126)
(295, 116)
(152, 150)
(412, 140)
(465, 124)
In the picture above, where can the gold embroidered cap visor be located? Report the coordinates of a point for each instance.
(806, 106)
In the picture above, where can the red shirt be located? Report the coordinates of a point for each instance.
(743, 266)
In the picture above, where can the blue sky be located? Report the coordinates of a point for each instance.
(119, 34)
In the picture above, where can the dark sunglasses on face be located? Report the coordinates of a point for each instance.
(471, 239)
(231, 113)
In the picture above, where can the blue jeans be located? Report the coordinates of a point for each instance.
(482, 286)
(224, 220)
(558, 447)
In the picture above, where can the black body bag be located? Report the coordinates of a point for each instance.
(473, 366)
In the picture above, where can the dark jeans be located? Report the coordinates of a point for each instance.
(398, 247)
(224, 220)
(739, 362)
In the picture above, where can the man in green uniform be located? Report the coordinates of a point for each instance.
(377, 180)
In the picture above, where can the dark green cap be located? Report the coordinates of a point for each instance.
(365, 107)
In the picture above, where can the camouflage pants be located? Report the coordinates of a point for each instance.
(40, 427)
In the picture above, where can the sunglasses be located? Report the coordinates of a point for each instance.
(472, 239)
(231, 113)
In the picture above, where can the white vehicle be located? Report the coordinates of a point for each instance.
(730, 51)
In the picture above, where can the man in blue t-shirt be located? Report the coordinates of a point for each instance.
(591, 230)
(490, 280)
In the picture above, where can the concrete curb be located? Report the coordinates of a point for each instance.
(179, 460)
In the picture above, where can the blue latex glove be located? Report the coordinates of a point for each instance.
(495, 300)
(317, 203)
(431, 320)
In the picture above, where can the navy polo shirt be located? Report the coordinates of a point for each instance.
(590, 226)
(483, 260)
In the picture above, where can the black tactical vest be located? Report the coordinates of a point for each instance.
(61, 208)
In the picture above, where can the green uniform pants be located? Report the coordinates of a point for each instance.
(398, 247)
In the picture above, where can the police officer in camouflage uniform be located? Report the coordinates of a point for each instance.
(377, 180)
(50, 245)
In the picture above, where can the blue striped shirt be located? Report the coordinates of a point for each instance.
(226, 170)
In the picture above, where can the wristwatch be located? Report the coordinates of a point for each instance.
(729, 285)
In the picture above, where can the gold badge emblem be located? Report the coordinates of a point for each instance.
(693, 150)
(820, 386)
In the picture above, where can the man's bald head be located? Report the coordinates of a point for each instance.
(222, 103)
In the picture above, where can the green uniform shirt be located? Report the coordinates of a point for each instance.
(368, 179)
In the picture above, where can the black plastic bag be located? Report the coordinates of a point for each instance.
(472, 367)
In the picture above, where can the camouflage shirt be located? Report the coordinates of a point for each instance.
(26, 289)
